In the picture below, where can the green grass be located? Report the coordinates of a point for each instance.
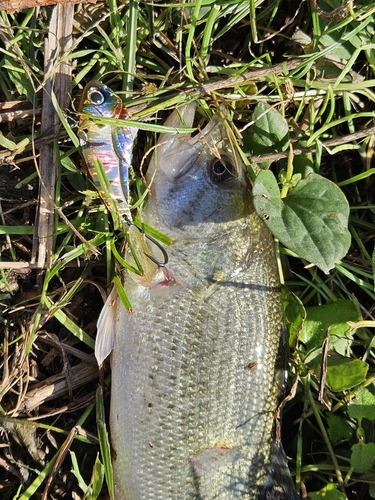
(158, 55)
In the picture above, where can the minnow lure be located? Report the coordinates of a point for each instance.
(110, 145)
(107, 151)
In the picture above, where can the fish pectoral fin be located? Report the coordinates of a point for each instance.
(105, 337)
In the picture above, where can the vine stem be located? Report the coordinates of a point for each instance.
(326, 438)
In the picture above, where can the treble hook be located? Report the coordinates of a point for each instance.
(161, 248)
(155, 242)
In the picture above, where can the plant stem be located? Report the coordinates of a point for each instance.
(326, 438)
(289, 173)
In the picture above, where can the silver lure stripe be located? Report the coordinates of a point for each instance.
(106, 144)
(110, 145)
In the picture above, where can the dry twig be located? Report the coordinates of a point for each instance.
(57, 44)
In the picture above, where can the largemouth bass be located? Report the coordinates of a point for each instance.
(111, 145)
(198, 368)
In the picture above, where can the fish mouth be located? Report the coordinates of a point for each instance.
(177, 154)
(197, 183)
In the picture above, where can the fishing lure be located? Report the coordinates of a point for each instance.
(107, 145)
(107, 151)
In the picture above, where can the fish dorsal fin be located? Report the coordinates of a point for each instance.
(105, 337)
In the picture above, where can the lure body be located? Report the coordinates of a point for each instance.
(112, 146)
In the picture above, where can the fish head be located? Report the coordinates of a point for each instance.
(196, 183)
(100, 100)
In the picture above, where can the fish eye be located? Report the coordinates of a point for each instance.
(223, 170)
(95, 96)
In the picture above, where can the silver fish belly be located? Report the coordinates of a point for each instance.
(197, 369)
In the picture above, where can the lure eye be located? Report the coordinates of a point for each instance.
(223, 170)
(95, 96)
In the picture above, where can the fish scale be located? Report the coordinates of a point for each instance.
(201, 379)
(198, 368)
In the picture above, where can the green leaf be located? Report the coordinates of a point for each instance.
(69, 324)
(338, 428)
(343, 51)
(16, 230)
(77, 472)
(64, 121)
(121, 293)
(6, 143)
(371, 490)
(106, 192)
(74, 176)
(270, 130)
(97, 479)
(312, 220)
(163, 238)
(362, 405)
(373, 263)
(332, 317)
(329, 492)
(345, 373)
(363, 456)
(38, 481)
(294, 315)
(104, 441)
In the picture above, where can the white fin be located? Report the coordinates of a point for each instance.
(105, 337)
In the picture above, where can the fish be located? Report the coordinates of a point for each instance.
(199, 367)
(111, 145)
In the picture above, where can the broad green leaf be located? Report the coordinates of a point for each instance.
(345, 373)
(269, 133)
(363, 456)
(363, 405)
(312, 220)
(294, 315)
(371, 490)
(343, 51)
(329, 492)
(332, 317)
(338, 428)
